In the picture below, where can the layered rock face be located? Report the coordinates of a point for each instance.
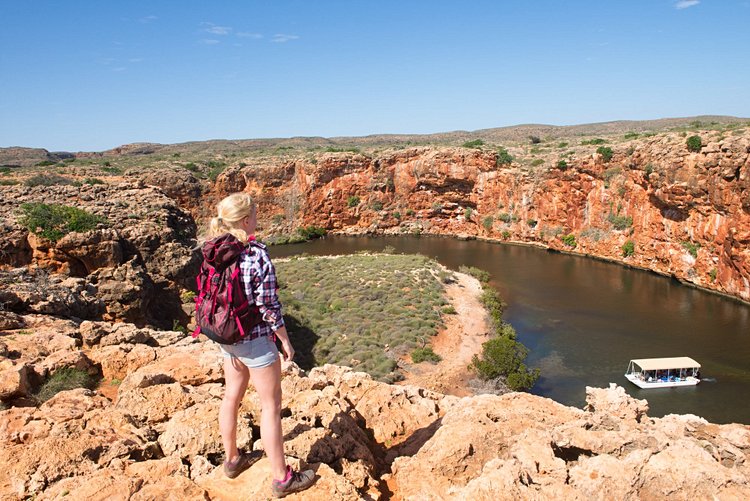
(145, 250)
(685, 214)
(156, 434)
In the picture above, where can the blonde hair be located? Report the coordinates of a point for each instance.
(230, 211)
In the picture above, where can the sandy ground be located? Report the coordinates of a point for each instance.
(461, 338)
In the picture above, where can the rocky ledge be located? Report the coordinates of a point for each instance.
(150, 432)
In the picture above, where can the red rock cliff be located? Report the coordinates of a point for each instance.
(654, 205)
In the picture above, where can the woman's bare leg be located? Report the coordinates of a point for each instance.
(236, 376)
(267, 382)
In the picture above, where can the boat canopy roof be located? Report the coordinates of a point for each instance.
(652, 364)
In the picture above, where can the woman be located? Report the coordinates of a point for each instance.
(256, 357)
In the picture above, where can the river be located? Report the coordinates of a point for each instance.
(584, 319)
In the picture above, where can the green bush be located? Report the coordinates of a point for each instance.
(410, 212)
(606, 153)
(631, 135)
(532, 223)
(311, 232)
(476, 143)
(334, 149)
(503, 157)
(562, 165)
(478, 273)
(569, 240)
(494, 305)
(65, 378)
(48, 180)
(55, 221)
(93, 180)
(9, 182)
(504, 217)
(503, 357)
(487, 222)
(448, 310)
(45, 163)
(537, 162)
(692, 248)
(620, 222)
(352, 201)
(562, 145)
(713, 274)
(628, 248)
(694, 143)
(425, 354)
(505, 235)
(396, 215)
(467, 213)
(535, 139)
(593, 141)
(376, 205)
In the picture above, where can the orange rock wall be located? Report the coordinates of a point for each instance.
(679, 201)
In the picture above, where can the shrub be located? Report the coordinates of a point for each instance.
(410, 212)
(503, 157)
(352, 201)
(631, 135)
(425, 354)
(537, 162)
(628, 248)
(535, 139)
(397, 215)
(505, 234)
(504, 217)
(495, 306)
(111, 170)
(712, 274)
(93, 180)
(562, 165)
(562, 145)
(620, 222)
(692, 248)
(47, 180)
(532, 223)
(467, 213)
(569, 240)
(215, 168)
(448, 310)
(333, 149)
(606, 153)
(65, 378)
(649, 169)
(476, 143)
(694, 143)
(504, 356)
(478, 273)
(278, 219)
(45, 163)
(8, 182)
(487, 222)
(311, 232)
(593, 141)
(55, 221)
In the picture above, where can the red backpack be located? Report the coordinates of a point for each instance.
(222, 310)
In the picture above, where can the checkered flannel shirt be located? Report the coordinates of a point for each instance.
(261, 287)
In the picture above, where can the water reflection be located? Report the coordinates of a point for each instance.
(584, 319)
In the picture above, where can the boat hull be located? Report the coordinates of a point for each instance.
(640, 383)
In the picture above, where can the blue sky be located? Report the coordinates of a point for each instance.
(91, 75)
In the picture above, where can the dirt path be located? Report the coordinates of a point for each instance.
(462, 337)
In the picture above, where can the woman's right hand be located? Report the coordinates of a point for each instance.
(287, 350)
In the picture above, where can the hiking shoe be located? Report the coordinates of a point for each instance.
(296, 481)
(245, 461)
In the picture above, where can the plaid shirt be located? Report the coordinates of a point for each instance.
(259, 277)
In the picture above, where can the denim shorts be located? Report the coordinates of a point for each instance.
(255, 354)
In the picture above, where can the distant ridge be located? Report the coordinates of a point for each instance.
(20, 156)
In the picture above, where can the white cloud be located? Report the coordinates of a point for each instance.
(219, 30)
(209, 41)
(281, 38)
(684, 4)
(148, 19)
(119, 68)
(245, 34)
(135, 60)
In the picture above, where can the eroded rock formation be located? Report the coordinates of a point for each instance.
(686, 213)
(151, 431)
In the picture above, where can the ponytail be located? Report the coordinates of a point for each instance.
(231, 210)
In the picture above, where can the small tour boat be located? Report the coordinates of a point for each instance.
(663, 372)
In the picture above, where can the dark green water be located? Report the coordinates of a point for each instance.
(584, 319)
